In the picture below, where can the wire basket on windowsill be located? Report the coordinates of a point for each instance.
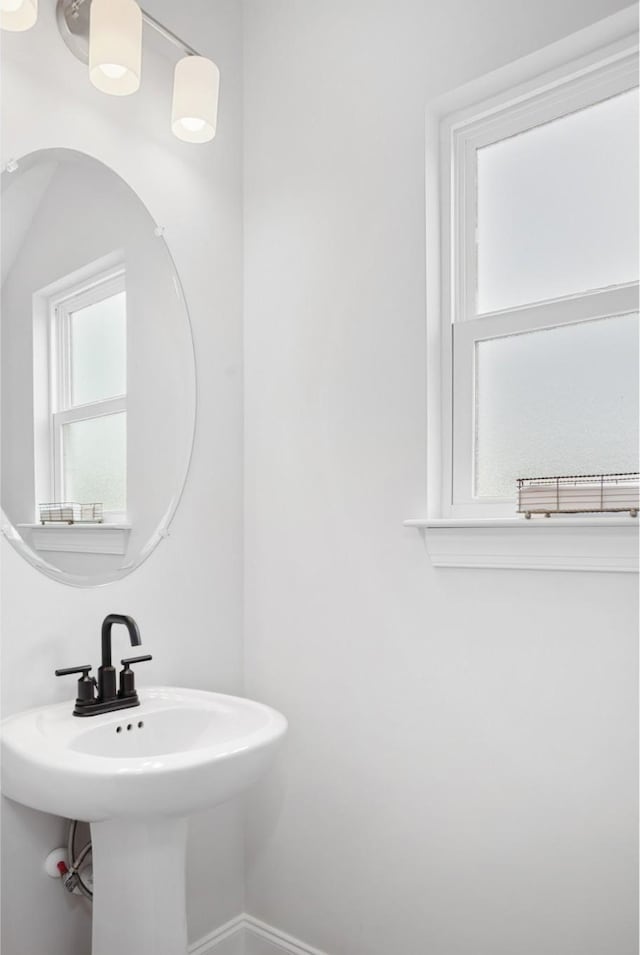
(68, 513)
(580, 494)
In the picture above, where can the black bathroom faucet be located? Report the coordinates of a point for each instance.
(107, 699)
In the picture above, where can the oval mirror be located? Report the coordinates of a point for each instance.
(98, 372)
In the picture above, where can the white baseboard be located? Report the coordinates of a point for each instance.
(229, 939)
(245, 935)
(263, 939)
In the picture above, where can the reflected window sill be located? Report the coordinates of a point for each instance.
(608, 544)
(78, 538)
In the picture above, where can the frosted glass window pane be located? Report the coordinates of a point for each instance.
(558, 207)
(558, 401)
(95, 461)
(99, 350)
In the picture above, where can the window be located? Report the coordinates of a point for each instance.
(537, 270)
(88, 393)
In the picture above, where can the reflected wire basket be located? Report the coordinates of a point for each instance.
(579, 494)
(68, 513)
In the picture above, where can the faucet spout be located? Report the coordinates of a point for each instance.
(107, 623)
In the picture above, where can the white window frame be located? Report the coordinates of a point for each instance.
(70, 298)
(454, 327)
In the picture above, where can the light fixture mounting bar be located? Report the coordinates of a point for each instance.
(168, 34)
(73, 23)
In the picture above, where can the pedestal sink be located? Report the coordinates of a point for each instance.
(136, 775)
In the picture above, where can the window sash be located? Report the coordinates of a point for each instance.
(462, 139)
(101, 288)
(465, 336)
(88, 412)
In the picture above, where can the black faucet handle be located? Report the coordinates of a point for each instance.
(127, 689)
(67, 671)
(127, 663)
(85, 693)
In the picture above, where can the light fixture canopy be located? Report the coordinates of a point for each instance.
(194, 113)
(115, 46)
(18, 15)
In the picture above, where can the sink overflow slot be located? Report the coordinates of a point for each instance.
(129, 727)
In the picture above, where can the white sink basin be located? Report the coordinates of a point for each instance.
(180, 751)
(136, 775)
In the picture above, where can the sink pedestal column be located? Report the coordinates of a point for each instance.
(139, 886)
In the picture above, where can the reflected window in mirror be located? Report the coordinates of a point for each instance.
(83, 454)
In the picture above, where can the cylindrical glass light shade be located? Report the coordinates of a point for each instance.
(194, 113)
(18, 14)
(115, 46)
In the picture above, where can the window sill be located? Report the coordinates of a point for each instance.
(78, 538)
(608, 544)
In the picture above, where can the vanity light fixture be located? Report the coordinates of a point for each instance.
(194, 112)
(18, 15)
(107, 34)
(115, 46)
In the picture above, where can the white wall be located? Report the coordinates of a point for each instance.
(460, 774)
(187, 597)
